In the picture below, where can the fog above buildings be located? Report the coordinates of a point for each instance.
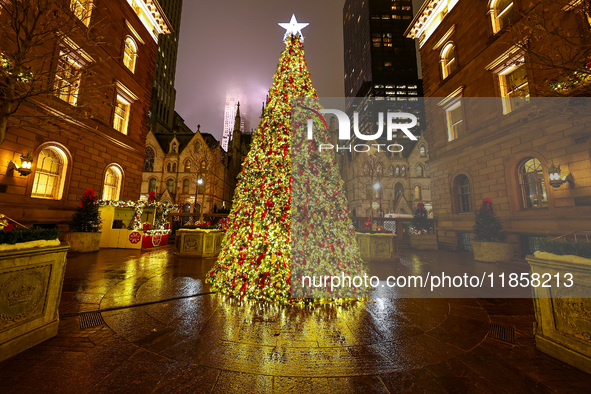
(237, 44)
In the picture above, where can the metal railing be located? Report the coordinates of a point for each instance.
(575, 236)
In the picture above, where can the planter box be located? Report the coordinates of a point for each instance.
(492, 252)
(30, 289)
(563, 314)
(198, 242)
(376, 246)
(423, 242)
(83, 242)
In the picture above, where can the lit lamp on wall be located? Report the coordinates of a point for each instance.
(555, 177)
(24, 169)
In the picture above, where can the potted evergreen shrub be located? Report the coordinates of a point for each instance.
(421, 230)
(489, 237)
(32, 266)
(561, 299)
(85, 225)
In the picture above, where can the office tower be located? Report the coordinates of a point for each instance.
(163, 92)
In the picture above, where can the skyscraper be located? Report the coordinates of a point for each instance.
(379, 60)
(163, 92)
(233, 97)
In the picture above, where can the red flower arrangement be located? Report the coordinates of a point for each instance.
(152, 197)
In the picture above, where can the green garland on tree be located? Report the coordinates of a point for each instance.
(487, 226)
(87, 218)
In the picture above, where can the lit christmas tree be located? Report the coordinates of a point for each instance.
(257, 250)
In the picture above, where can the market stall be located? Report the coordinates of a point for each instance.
(135, 224)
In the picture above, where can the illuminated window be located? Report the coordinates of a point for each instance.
(67, 79)
(130, 54)
(454, 115)
(422, 151)
(464, 194)
(82, 9)
(152, 187)
(121, 118)
(514, 86)
(387, 64)
(397, 171)
(419, 171)
(186, 186)
(403, 171)
(418, 193)
(149, 161)
(531, 181)
(448, 60)
(50, 174)
(112, 183)
(188, 166)
(501, 12)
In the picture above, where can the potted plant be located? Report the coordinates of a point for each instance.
(85, 225)
(375, 242)
(199, 240)
(561, 302)
(32, 266)
(489, 237)
(421, 230)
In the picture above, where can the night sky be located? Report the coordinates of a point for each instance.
(238, 43)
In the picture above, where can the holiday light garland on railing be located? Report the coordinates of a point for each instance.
(139, 207)
(6, 64)
(575, 79)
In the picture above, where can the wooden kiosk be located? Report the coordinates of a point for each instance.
(134, 224)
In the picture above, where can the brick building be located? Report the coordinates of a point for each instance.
(88, 131)
(489, 135)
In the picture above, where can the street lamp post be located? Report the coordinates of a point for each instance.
(199, 183)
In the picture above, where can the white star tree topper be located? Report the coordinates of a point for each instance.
(293, 27)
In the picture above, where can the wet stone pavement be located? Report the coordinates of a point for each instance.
(165, 332)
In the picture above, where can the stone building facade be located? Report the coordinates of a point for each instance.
(191, 169)
(90, 131)
(488, 133)
(387, 184)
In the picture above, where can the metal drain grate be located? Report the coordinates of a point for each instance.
(88, 320)
(505, 334)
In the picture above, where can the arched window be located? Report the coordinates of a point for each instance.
(197, 146)
(50, 174)
(169, 167)
(174, 167)
(130, 53)
(391, 170)
(501, 12)
(403, 171)
(152, 187)
(188, 165)
(448, 60)
(464, 194)
(112, 183)
(422, 151)
(398, 190)
(170, 185)
(418, 193)
(173, 147)
(531, 181)
(419, 171)
(203, 165)
(186, 186)
(149, 162)
(397, 171)
(427, 170)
